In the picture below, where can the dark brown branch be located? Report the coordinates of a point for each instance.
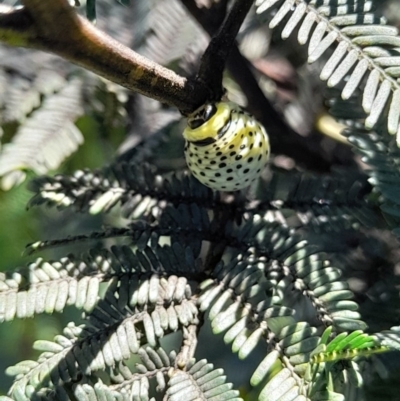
(283, 139)
(214, 59)
(53, 26)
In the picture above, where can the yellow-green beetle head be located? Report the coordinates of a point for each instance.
(206, 121)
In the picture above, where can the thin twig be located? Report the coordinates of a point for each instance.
(189, 345)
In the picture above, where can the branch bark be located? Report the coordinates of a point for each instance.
(53, 26)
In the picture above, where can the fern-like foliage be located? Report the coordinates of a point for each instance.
(272, 270)
(42, 142)
(365, 48)
(346, 346)
(249, 295)
(234, 296)
(332, 204)
(44, 109)
(172, 33)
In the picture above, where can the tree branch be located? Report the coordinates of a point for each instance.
(53, 26)
(214, 58)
